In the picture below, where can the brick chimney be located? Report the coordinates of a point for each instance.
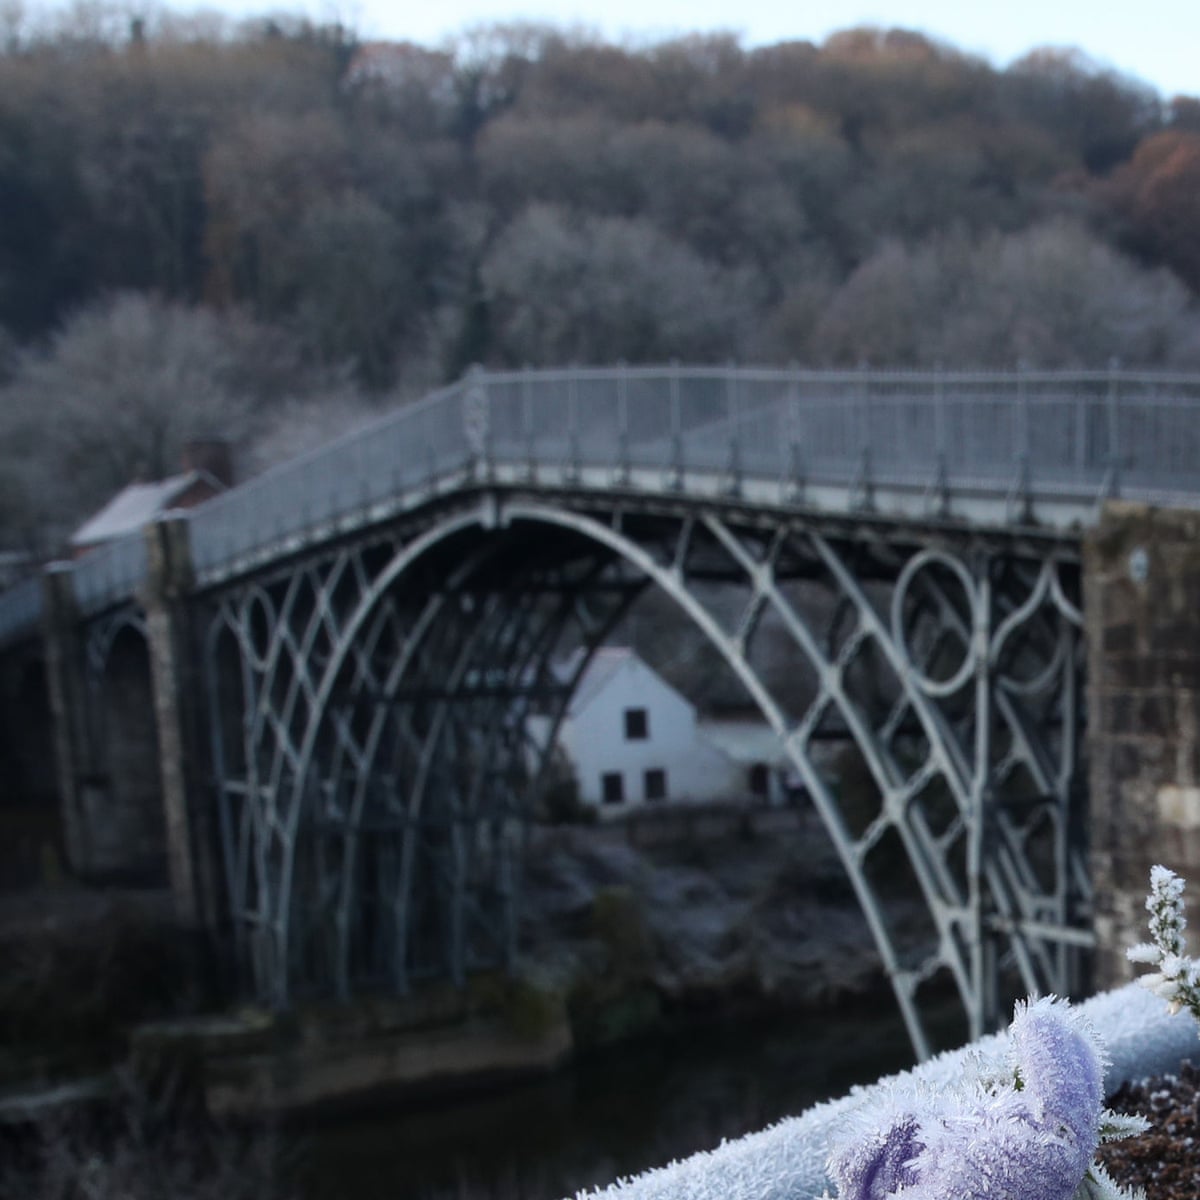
(211, 454)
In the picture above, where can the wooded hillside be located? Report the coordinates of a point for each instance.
(260, 228)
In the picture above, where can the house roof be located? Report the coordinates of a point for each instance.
(606, 662)
(746, 740)
(136, 506)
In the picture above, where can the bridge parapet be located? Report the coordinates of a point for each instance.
(106, 576)
(357, 479)
(1000, 448)
(1008, 448)
(110, 573)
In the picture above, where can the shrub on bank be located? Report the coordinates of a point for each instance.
(70, 987)
(140, 1148)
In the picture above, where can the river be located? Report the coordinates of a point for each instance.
(608, 1115)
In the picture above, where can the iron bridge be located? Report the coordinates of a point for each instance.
(371, 627)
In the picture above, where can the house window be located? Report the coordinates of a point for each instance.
(759, 780)
(637, 725)
(654, 784)
(612, 787)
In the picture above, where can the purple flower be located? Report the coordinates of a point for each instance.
(1030, 1135)
(878, 1164)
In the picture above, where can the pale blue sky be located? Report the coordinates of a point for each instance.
(1154, 40)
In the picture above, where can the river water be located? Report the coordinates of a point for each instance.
(612, 1114)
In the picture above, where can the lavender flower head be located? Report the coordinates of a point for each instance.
(1029, 1134)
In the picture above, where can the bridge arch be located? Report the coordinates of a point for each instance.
(31, 833)
(939, 744)
(122, 786)
(316, 817)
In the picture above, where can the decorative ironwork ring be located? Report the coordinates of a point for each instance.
(927, 684)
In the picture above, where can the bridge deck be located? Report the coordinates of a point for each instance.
(1001, 450)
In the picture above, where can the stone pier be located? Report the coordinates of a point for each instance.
(174, 665)
(1142, 616)
(122, 713)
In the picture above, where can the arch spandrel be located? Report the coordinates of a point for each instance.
(403, 664)
(424, 662)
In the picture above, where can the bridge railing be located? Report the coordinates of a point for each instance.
(104, 576)
(348, 479)
(1083, 433)
(1078, 434)
(109, 573)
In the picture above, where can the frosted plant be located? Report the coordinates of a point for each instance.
(1177, 979)
(1027, 1133)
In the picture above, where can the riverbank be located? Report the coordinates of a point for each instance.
(758, 917)
(627, 935)
(614, 1112)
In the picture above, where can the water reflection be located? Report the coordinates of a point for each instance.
(613, 1114)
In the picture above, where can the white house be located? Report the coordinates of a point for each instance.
(764, 768)
(632, 739)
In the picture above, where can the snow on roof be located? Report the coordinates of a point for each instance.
(606, 662)
(136, 506)
(745, 739)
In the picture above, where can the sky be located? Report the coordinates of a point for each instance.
(1157, 41)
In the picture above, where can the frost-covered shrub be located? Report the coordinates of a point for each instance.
(1029, 1133)
(1177, 979)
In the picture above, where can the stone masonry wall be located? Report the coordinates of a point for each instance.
(126, 814)
(1142, 621)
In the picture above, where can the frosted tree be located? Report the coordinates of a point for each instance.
(1177, 978)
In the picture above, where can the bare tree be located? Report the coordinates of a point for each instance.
(587, 289)
(354, 287)
(1057, 296)
(1051, 296)
(879, 314)
(119, 389)
(305, 423)
(1158, 194)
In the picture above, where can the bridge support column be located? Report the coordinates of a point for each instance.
(174, 679)
(73, 757)
(1142, 619)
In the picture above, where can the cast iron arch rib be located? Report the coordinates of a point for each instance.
(394, 639)
(371, 667)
